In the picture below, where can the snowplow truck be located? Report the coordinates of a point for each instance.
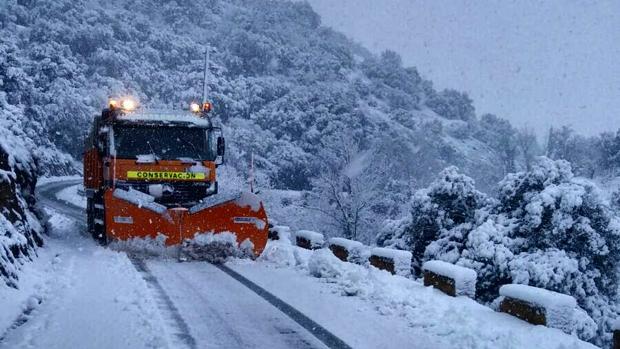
(152, 175)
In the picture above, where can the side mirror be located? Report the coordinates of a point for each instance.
(221, 149)
(102, 140)
(221, 146)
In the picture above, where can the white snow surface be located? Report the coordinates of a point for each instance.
(464, 278)
(249, 199)
(140, 199)
(70, 195)
(209, 238)
(559, 308)
(370, 308)
(616, 325)
(213, 200)
(166, 116)
(349, 245)
(54, 179)
(80, 296)
(316, 239)
(146, 159)
(197, 167)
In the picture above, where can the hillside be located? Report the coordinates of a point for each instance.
(303, 98)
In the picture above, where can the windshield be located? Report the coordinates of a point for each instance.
(163, 142)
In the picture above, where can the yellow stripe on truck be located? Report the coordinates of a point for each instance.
(174, 176)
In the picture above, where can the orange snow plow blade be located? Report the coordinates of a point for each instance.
(132, 214)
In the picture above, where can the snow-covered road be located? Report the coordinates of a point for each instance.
(86, 296)
(222, 313)
(77, 294)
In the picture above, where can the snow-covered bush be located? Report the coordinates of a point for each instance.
(553, 231)
(546, 229)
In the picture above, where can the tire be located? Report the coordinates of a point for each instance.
(98, 230)
(90, 217)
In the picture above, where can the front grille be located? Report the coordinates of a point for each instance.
(175, 194)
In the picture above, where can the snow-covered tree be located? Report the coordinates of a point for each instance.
(528, 146)
(439, 220)
(340, 189)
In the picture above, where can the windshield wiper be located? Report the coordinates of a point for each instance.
(196, 151)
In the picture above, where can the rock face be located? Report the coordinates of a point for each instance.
(20, 231)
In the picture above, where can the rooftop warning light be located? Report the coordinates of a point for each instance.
(194, 107)
(128, 104)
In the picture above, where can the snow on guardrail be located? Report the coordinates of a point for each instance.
(308, 239)
(451, 279)
(395, 261)
(538, 306)
(347, 250)
(280, 232)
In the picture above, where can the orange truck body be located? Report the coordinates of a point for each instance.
(121, 208)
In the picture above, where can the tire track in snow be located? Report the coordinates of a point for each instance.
(46, 194)
(165, 304)
(328, 338)
(47, 197)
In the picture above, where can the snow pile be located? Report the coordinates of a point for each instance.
(316, 239)
(323, 264)
(559, 308)
(464, 278)
(283, 254)
(283, 232)
(616, 325)
(214, 248)
(278, 254)
(148, 247)
(140, 199)
(401, 259)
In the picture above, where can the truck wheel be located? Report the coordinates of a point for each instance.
(90, 217)
(99, 232)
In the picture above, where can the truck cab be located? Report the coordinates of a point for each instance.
(170, 155)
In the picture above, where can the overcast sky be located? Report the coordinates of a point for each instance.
(536, 63)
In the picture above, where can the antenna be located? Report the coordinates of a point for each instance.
(251, 179)
(205, 87)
